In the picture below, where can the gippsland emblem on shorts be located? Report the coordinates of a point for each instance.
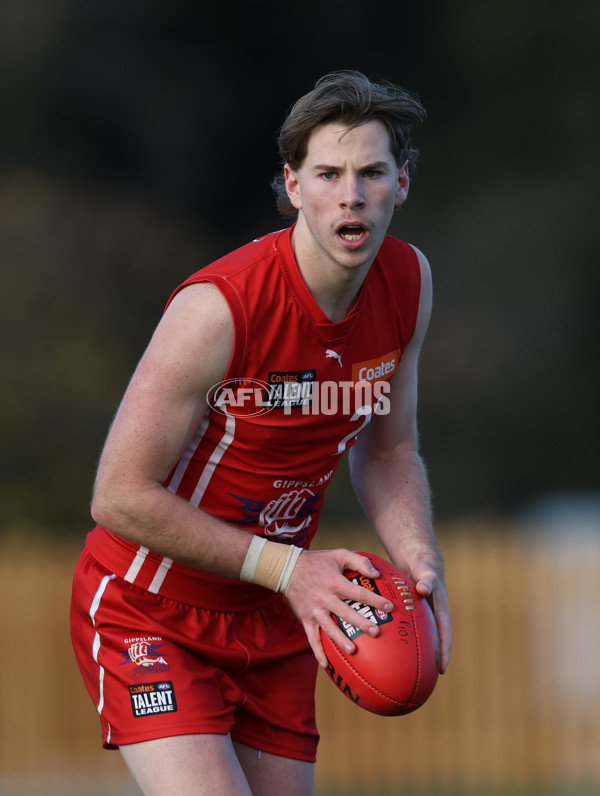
(145, 654)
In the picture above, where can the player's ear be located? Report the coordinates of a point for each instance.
(403, 185)
(292, 186)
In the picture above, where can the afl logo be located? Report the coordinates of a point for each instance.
(239, 397)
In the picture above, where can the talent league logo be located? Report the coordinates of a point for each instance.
(148, 699)
(295, 391)
(291, 389)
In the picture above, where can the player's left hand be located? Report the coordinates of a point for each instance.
(430, 584)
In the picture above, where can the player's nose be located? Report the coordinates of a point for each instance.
(351, 192)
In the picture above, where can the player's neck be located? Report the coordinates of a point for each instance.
(334, 296)
(335, 307)
(334, 287)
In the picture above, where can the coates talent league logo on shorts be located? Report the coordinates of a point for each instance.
(148, 699)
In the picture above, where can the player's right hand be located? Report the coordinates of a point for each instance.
(318, 588)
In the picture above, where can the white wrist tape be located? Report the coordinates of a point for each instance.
(288, 567)
(269, 564)
(252, 556)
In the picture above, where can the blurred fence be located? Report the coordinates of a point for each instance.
(520, 704)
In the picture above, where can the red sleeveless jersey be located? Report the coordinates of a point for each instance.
(297, 392)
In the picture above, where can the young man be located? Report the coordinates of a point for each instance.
(197, 604)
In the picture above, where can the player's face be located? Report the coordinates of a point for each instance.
(345, 192)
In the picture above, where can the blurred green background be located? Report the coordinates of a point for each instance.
(137, 144)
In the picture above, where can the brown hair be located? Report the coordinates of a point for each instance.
(351, 98)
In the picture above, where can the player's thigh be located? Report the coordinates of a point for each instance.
(273, 775)
(186, 765)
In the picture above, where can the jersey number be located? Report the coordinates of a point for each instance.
(366, 412)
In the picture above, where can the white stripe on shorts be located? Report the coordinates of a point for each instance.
(96, 646)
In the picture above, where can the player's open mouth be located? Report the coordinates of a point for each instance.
(352, 232)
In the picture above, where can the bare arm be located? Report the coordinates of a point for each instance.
(162, 407)
(391, 482)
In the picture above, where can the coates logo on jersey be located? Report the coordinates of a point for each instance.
(239, 397)
(376, 370)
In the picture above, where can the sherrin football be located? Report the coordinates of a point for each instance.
(396, 672)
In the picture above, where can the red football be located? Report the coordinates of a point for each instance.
(396, 672)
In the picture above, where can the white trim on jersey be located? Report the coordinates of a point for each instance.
(215, 458)
(161, 573)
(205, 476)
(187, 455)
(136, 564)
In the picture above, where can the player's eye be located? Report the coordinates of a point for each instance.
(328, 175)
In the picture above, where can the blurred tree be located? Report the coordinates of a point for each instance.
(138, 143)
(85, 275)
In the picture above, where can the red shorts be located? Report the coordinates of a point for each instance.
(156, 667)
